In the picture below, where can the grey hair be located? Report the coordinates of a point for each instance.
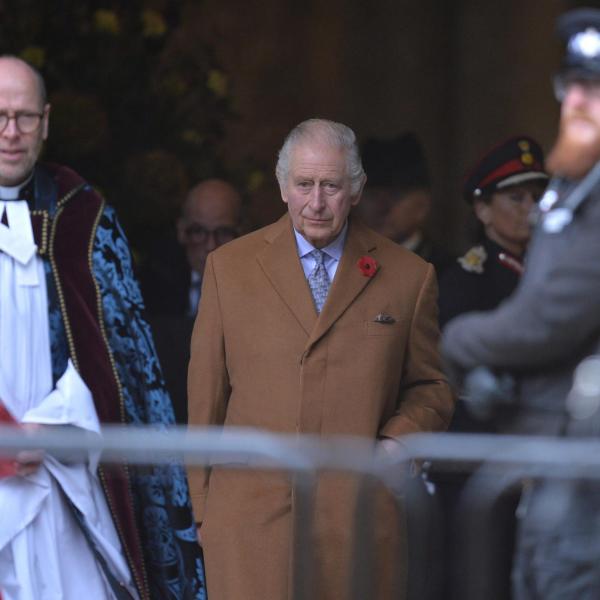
(38, 76)
(331, 133)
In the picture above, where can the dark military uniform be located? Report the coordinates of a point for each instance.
(488, 273)
(479, 280)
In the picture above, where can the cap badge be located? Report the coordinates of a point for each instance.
(524, 146)
(585, 43)
(474, 259)
(527, 158)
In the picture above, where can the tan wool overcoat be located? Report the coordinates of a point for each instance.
(262, 357)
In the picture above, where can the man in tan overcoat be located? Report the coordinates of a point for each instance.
(292, 340)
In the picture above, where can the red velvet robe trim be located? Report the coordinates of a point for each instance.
(71, 240)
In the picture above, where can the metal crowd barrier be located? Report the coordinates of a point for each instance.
(499, 461)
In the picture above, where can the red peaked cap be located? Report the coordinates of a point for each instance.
(512, 162)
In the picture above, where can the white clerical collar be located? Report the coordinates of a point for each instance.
(17, 241)
(335, 249)
(12, 192)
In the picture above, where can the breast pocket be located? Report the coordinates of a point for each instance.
(374, 328)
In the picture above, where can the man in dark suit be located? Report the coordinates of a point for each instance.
(172, 277)
(548, 326)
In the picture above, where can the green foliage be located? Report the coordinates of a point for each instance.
(138, 104)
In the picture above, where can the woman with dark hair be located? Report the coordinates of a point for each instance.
(502, 188)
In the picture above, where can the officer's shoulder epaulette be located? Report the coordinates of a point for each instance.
(474, 259)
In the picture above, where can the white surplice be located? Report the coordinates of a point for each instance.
(43, 553)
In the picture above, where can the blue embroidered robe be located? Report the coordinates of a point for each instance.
(95, 315)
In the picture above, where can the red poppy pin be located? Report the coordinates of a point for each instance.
(368, 266)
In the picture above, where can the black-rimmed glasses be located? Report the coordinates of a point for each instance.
(195, 232)
(26, 122)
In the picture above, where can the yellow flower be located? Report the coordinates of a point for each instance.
(174, 85)
(153, 23)
(255, 180)
(191, 136)
(34, 55)
(107, 21)
(524, 146)
(217, 83)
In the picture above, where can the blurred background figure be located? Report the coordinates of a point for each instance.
(397, 196)
(547, 327)
(171, 278)
(502, 188)
(210, 217)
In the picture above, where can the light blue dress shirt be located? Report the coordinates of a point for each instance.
(333, 253)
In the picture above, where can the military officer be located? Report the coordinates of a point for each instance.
(502, 188)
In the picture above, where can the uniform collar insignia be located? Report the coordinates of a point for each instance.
(510, 262)
(474, 259)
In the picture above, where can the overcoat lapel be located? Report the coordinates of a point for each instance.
(280, 262)
(282, 267)
(348, 282)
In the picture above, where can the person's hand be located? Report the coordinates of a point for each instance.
(393, 452)
(389, 447)
(28, 462)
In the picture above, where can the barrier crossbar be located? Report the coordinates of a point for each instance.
(499, 461)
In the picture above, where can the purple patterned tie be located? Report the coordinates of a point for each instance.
(318, 280)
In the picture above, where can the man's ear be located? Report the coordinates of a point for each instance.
(482, 211)
(356, 198)
(45, 121)
(283, 193)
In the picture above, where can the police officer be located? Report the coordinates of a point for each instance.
(502, 188)
(543, 331)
